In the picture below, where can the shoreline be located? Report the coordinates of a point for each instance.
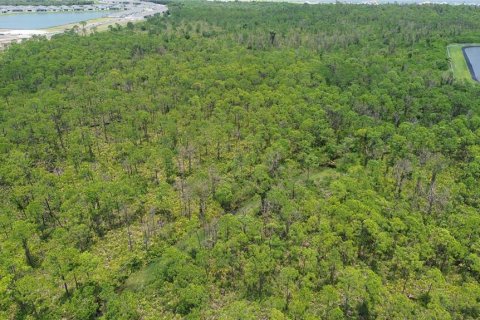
(8, 36)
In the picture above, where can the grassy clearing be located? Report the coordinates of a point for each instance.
(458, 63)
(98, 22)
(138, 280)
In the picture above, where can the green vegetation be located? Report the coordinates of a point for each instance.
(243, 161)
(458, 63)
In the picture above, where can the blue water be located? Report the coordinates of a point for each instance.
(27, 21)
(472, 55)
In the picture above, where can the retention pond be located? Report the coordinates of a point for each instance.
(472, 57)
(34, 21)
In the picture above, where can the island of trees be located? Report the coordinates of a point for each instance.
(243, 161)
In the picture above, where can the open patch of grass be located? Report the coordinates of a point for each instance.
(458, 63)
(140, 279)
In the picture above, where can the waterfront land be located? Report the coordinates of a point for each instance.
(131, 13)
(458, 64)
(44, 2)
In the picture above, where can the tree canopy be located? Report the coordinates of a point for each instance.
(243, 161)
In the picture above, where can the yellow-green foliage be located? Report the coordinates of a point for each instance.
(243, 161)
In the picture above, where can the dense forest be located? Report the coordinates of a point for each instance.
(243, 161)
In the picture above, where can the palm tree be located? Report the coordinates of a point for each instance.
(83, 23)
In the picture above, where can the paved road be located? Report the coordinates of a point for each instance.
(137, 12)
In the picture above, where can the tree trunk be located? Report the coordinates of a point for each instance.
(28, 255)
(65, 286)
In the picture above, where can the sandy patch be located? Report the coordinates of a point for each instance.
(23, 32)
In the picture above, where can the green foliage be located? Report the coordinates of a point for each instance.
(243, 161)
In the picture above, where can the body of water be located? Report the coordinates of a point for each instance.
(472, 56)
(33, 21)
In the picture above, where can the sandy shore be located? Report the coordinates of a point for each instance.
(22, 32)
(8, 36)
